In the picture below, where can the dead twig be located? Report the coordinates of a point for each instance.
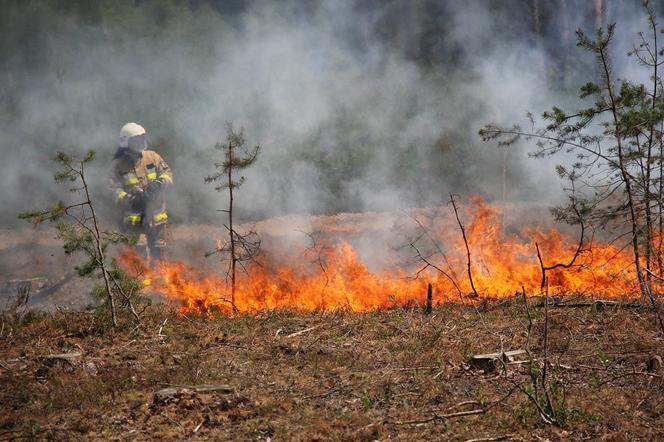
(423, 367)
(599, 303)
(544, 268)
(465, 240)
(459, 413)
(6, 367)
(631, 373)
(301, 332)
(546, 417)
(451, 277)
(425, 260)
(170, 392)
(654, 275)
(322, 395)
(464, 403)
(318, 250)
(437, 417)
(530, 320)
(653, 302)
(546, 343)
(171, 420)
(159, 335)
(502, 437)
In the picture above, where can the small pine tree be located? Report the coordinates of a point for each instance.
(78, 227)
(240, 247)
(618, 176)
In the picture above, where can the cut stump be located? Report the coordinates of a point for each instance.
(492, 361)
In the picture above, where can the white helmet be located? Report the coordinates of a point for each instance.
(130, 130)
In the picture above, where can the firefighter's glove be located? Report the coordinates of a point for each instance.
(127, 200)
(136, 199)
(153, 189)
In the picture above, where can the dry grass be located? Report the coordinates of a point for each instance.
(375, 376)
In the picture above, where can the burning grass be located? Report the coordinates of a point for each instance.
(328, 375)
(333, 275)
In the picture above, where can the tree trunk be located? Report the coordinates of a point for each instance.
(624, 175)
(537, 24)
(659, 202)
(649, 161)
(100, 251)
(230, 222)
(564, 38)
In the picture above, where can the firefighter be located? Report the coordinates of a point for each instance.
(139, 181)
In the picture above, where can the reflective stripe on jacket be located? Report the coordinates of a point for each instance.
(133, 172)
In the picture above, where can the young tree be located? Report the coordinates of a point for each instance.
(618, 142)
(78, 226)
(241, 246)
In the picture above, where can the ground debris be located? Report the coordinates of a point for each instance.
(165, 394)
(352, 378)
(597, 304)
(654, 363)
(61, 360)
(492, 361)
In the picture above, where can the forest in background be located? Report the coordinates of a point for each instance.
(360, 105)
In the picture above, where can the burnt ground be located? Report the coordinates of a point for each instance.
(390, 375)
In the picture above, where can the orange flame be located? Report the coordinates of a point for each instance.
(501, 264)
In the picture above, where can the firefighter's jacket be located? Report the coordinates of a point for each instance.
(132, 172)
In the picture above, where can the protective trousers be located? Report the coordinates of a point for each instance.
(139, 182)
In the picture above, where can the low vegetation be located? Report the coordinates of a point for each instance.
(398, 374)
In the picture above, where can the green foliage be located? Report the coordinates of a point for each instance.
(617, 176)
(549, 397)
(125, 285)
(78, 229)
(236, 157)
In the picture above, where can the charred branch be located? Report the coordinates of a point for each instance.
(465, 241)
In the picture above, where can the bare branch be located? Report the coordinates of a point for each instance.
(465, 240)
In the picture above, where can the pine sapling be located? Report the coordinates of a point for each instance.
(78, 226)
(240, 246)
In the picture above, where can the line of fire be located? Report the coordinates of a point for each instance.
(322, 220)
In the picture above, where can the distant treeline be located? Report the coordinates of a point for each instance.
(73, 71)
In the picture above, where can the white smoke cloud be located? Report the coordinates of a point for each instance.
(347, 119)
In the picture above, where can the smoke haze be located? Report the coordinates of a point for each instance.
(358, 105)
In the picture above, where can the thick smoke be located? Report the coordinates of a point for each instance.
(357, 105)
